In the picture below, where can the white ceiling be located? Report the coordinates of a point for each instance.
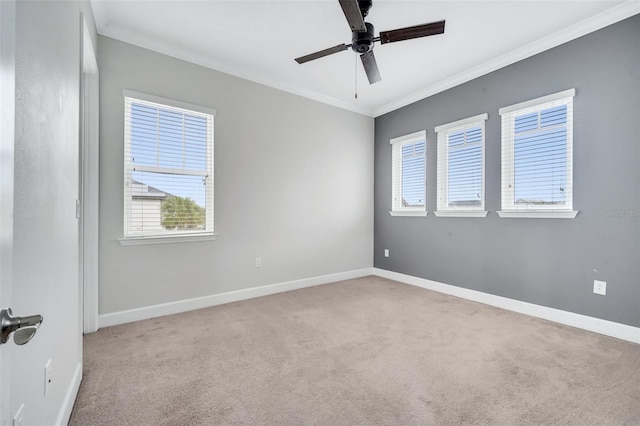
(258, 40)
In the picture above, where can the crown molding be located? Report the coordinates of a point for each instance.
(594, 23)
(608, 17)
(125, 35)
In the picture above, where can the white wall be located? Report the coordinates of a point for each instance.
(45, 253)
(293, 185)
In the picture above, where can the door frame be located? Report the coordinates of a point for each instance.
(7, 150)
(89, 182)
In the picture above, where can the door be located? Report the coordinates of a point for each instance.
(7, 114)
(39, 262)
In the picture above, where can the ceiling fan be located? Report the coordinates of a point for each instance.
(363, 36)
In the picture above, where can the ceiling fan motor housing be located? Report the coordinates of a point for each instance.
(362, 41)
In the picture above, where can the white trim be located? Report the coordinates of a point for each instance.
(608, 17)
(131, 36)
(410, 138)
(569, 93)
(442, 170)
(596, 325)
(166, 239)
(461, 213)
(462, 123)
(565, 214)
(170, 308)
(416, 213)
(159, 103)
(509, 115)
(168, 102)
(70, 398)
(90, 183)
(397, 145)
(589, 25)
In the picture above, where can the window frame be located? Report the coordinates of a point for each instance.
(396, 174)
(443, 209)
(136, 238)
(509, 113)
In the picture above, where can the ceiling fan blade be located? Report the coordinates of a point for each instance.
(408, 33)
(351, 11)
(322, 53)
(370, 67)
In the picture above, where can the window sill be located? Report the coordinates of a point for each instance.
(416, 213)
(138, 241)
(461, 213)
(539, 214)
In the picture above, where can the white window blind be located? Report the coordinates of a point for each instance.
(409, 173)
(168, 167)
(461, 165)
(537, 154)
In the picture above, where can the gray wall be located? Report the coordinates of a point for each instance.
(293, 184)
(549, 262)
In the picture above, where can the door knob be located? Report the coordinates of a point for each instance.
(25, 334)
(24, 327)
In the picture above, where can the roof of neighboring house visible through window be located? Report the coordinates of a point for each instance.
(143, 191)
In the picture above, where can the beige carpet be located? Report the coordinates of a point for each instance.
(368, 351)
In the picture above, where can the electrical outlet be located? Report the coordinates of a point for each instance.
(600, 287)
(258, 262)
(18, 419)
(386, 252)
(47, 376)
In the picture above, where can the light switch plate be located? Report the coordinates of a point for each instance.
(47, 376)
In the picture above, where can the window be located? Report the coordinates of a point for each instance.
(461, 168)
(168, 169)
(537, 157)
(408, 170)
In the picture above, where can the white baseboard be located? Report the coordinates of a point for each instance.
(170, 308)
(596, 325)
(70, 398)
